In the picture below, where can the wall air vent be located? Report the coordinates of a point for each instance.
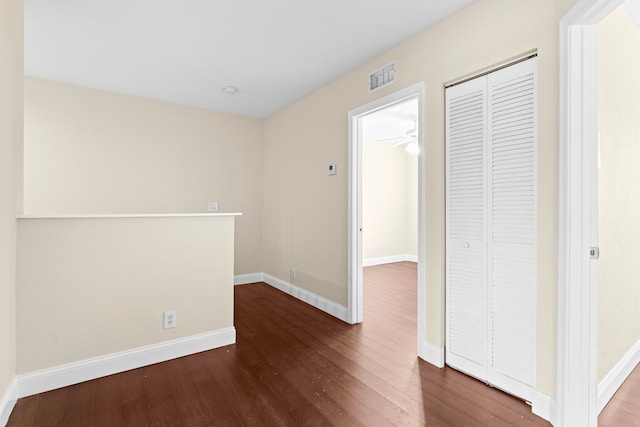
(383, 76)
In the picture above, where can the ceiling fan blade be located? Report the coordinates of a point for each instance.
(413, 131)
(404, 142)
(390, 139)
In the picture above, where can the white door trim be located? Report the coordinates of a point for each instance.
(355, 212)
(578, 127)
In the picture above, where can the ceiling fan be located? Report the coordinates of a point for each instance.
(409, 140)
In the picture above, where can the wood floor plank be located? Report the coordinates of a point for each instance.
(624, 407)
(81, 404)
(316, 388)
(293, 365)
(25, 411)
(110, 396)
(52, 408)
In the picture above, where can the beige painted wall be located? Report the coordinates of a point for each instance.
(91, 287)
(90, 151)
(11, 70)
(305, 211)
(389, 201)
(619, 189)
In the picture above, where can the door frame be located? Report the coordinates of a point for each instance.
(355, 280)
(578, 214)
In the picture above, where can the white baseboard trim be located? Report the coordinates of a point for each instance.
(432, 354)
(8, 401)
(614, 379)
(74, 373)
(389, 259)
(544, 406)
(321, 303)
(243, 279)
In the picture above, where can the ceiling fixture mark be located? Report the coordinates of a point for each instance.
(230, 90)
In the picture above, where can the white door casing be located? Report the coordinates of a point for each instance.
(355, 294)
(577, 216)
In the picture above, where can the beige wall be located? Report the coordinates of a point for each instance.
(90, 151)
(389, 201)
(305, 219)
(91, 287)
(619, 189)
(11, 60)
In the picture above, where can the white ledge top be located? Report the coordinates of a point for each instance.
(132, 215)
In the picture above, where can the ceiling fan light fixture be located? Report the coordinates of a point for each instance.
(413, 148)
(230, 90)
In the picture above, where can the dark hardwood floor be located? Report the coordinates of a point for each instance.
(292, 365)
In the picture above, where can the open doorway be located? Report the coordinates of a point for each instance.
(393, 144)
(618, 296)
(390, 223)
(582, 389)
(390, 184)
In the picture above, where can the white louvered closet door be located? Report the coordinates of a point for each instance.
(466, 205)
(512, 227)
(508, 257)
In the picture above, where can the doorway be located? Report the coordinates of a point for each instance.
(414, 140)
(390, 184)
(618, 198)
(577, 394)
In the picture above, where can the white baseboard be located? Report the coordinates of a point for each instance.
(544, 406)
(8, 401)
(389, 259)
(309, 297)
(73, 373)
(614, 379)
(321, 303)
(432, 354)
(243, 279)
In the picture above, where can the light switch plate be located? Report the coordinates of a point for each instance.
(331, 169)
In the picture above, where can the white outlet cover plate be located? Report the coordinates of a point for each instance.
(169, 319)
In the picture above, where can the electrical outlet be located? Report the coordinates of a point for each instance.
(213, 206)
(169, 319)
(292, 273)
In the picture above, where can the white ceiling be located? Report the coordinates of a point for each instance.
(633, 8)
(273, 51)
(391, 124)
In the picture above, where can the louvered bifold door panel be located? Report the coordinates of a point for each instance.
(466, 293)
(512, 228)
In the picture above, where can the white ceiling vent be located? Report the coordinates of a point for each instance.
(383, 76)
